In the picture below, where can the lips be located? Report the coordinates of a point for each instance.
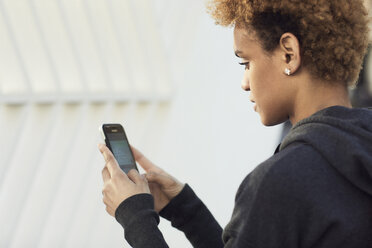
(254, 105)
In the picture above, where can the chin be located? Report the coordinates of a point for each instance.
(272, 120)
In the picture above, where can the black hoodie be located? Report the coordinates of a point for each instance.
(315, 192)
(344, 139)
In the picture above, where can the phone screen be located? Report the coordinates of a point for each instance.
(120, 148)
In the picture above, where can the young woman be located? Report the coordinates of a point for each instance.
(299, 57)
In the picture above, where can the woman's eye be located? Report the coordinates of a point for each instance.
(246, 65)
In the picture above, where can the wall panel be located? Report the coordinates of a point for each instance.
(11, 69)
(58, 44)
(35, 57)
(23, 166)
(47, 176)
(66, 67)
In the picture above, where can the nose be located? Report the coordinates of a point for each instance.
(245, 84)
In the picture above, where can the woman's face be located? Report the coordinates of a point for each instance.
(264, 77)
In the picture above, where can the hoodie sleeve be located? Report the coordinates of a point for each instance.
(187, 213)
(140, 222)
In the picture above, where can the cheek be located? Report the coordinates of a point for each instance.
(260, 72)
(266, 78)
(274, 109)
(259, 84)
(268, 92)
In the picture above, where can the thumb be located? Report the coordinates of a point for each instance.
(162, 180)
(144, 162)
(111, 163)
(167, 184)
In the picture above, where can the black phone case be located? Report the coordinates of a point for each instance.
(109, 146)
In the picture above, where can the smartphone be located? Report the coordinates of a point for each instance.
(116, 140)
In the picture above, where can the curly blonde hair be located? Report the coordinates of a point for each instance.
(333, 34)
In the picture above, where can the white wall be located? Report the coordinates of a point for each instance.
(162, 68)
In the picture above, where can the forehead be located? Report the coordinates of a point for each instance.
(244, 38)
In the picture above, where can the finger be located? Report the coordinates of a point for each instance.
(135, 176)
(104, 190)
(110, 211)
(153, 186)
(106, 200)
(143, 161)
(144, 177)
(105, 174)
(111, 163)
(162, 180)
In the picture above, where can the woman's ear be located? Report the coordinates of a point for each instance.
(290, 48)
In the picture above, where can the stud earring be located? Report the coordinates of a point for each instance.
(287, 71)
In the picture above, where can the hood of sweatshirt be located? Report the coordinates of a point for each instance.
(343, 137)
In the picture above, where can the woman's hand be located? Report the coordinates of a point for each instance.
(119, 186)
(163, 186)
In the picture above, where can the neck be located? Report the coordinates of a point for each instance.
(317, 95)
